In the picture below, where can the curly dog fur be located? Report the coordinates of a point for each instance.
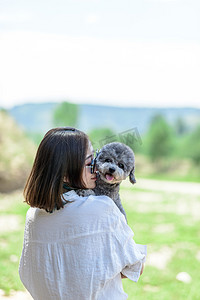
(114, 163)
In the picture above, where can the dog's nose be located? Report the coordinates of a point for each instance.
(111, 170)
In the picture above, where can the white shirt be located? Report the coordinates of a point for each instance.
(78, 252)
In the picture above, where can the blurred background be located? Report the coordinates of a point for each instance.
(124, 71)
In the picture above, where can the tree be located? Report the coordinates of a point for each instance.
(159, 138)
(193, 146)
(66, 114)
(102, 136)
(180, 127)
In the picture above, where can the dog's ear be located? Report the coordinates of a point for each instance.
(132, 176)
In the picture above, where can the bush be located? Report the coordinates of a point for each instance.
(192, 148)
(102, 136)
(66, 114)
(160, 139)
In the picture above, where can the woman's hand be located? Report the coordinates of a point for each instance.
(123, 276)
(142, 269)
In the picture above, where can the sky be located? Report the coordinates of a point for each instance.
(110, 52)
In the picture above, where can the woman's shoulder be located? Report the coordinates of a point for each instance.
(93, 207)
(102, 201)
(31, 213)
(104, 207)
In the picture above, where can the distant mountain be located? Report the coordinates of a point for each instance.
(34, 117)
(37, 117)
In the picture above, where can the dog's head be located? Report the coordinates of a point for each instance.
(115, 162)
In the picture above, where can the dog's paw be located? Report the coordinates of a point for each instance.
(85, 193)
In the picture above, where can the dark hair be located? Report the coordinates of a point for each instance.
(61, 153)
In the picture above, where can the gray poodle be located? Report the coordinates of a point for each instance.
(114, 163)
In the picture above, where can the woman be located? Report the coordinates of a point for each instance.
(74, 247)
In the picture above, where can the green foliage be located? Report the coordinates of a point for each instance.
(180, 127)
(132, 139)
(101, 136)
(4, 111)
(16, 154)
(66, 114)
(193, 146)
(36, 137)
(188, 147)
(13, 208)
(160, 139)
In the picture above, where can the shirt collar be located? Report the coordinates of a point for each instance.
(70, 196)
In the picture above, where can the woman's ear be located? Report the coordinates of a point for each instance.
(65, 179)
(132, 176)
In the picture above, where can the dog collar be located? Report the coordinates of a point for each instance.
(69, 188)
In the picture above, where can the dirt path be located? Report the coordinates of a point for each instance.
(167, 186)
(182, 197)
(16, 296)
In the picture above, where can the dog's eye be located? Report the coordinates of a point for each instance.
(108, 160)
(121, 166)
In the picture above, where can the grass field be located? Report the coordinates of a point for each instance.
(167, 221)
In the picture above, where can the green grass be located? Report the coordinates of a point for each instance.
(11, 241)
(173, 177)
(157, 220)
(178, 232)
